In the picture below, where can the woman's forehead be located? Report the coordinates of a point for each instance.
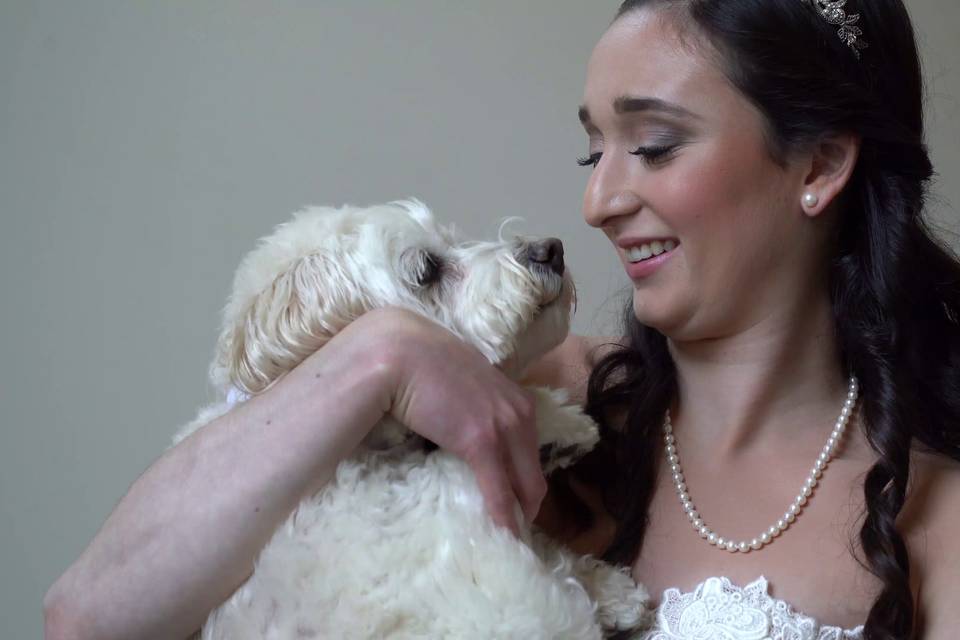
(643, 55)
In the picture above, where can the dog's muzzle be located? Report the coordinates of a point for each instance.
(547, 253)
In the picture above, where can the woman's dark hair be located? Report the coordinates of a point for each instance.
(895, 288)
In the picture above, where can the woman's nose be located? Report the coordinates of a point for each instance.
(608, 195)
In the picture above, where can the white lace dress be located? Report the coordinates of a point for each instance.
(720, 610)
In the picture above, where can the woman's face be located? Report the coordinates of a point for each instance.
(703, 181)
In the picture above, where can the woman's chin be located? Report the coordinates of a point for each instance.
(665, 320)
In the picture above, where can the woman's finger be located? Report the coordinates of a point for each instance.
(489, 464)
(524, 470)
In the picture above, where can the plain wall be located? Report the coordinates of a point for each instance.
(145, 146)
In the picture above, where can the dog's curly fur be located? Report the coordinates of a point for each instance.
(398, 544)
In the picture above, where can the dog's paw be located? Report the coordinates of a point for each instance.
(565, 432)
(622, 603)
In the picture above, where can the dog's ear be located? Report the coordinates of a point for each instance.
(297, 313)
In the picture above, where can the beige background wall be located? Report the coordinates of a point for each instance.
(144, 146)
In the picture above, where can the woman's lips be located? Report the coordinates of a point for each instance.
(646, 268)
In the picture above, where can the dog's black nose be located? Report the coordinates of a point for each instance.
(548, 252)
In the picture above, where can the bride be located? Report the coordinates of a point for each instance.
(780, 419)
(783, 412)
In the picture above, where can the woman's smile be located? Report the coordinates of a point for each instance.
(643, 256)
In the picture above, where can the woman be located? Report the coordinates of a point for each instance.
(788, 167)
(783, 169)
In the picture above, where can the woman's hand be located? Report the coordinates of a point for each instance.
(447, 391)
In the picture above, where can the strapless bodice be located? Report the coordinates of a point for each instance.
(720, 610)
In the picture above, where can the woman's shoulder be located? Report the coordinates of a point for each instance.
(568, 365)
(930, 521)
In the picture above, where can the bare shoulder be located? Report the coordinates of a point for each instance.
(931, 520)
(568, 365)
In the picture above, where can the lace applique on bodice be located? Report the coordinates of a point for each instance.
(720, 610)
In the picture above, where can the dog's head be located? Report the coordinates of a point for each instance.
(324, 268)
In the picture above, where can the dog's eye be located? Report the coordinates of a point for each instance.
(430, 270)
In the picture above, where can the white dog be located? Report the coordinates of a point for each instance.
(398, 544)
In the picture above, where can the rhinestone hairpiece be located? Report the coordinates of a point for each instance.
(832, 11)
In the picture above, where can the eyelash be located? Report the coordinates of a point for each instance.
(650, 155)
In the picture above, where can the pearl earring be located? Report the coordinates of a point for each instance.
(810, 200)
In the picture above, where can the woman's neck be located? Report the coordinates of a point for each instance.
(766, 384)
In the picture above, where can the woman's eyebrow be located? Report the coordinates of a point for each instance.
(635, 104)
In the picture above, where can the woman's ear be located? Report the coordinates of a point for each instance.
(830, 165)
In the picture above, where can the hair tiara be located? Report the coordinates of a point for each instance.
(832, 11)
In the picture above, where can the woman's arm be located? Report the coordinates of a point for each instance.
(568, 366)
(186, 534)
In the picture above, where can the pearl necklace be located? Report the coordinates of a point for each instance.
(798, 503)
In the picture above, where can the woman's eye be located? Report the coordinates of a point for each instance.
(653, 154)
(591, 160)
